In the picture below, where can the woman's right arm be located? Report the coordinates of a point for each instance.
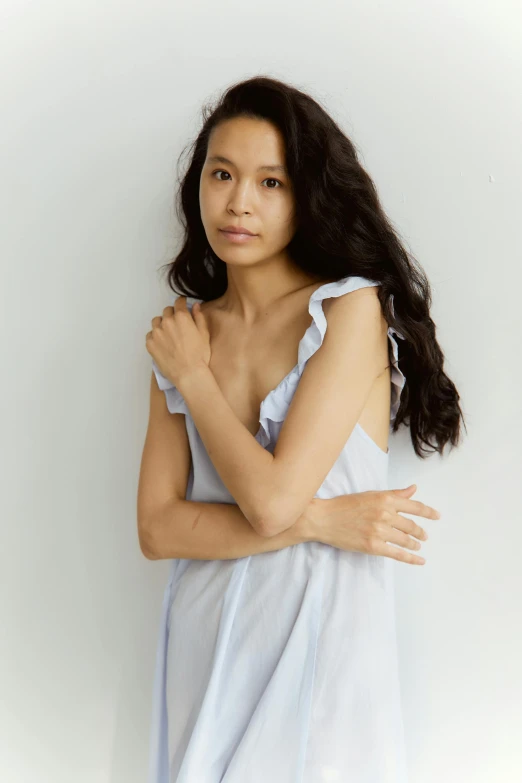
(211, 531)
(171, 527)
(355, 522)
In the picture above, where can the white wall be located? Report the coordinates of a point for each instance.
(97, 101)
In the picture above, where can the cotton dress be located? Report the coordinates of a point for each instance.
(281, 667)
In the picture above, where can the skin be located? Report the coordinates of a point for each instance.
(255, 327)
(254, 330)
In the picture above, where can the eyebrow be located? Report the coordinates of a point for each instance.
(226, 161)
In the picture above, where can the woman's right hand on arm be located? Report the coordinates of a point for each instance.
(370, 522)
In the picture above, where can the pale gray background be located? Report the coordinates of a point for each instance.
(97, 101)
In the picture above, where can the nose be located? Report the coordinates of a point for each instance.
(240, 199)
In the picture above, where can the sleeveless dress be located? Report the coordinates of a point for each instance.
(281, 667)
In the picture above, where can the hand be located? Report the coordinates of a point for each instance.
(365, 521)
(179, 341)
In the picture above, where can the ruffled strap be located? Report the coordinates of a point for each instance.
(275, 405)
(397, 376)
(175, 402)
(314, 335)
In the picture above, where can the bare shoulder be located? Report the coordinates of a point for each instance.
(361, 301)
(360, 312)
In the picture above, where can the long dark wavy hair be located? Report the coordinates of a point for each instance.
(342, 231)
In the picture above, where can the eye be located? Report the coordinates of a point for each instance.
(219, 171)
(269, 179)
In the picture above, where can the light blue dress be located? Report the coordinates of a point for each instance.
(281, 667)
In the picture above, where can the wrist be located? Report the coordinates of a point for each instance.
(192, 376)
(308, 524)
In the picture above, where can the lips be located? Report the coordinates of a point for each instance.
(237, 230)
(236, 238)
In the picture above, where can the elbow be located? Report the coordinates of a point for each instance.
(274, 521)
(258, 524)
(265, 529)
(283, 513)
(147, 541)
(274, 527)
(258, 518)
(263, 523)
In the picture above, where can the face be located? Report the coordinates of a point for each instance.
(244, 184)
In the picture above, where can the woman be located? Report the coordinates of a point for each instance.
(265, 479)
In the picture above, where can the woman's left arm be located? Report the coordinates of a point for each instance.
(273, 491)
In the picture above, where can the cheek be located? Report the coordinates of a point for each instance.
(285, 218)
(206, 202)
(209, 199)
(280, 232)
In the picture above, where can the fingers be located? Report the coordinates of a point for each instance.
(409, 527)
(396, 553)
(180, 305)
(397, 536)
(417, 508)
(401, 530)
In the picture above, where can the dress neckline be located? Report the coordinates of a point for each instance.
(274, 405)
(296, 365)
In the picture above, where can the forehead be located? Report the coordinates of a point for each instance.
(247, 142)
